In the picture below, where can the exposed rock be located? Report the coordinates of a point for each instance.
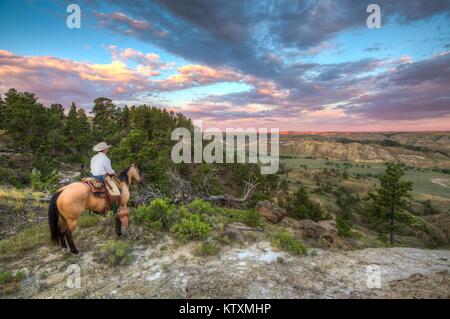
(308, 229)
(241, 233)
(441, 221)
(329, 230)
(251, 271)
(270, 211)
(372, 148)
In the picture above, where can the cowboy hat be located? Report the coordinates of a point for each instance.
(100, 147)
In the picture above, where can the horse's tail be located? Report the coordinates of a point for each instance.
(53, 218)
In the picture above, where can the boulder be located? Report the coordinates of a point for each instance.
(242, 233)
(308, 229)
(270, 211)
(329, 230)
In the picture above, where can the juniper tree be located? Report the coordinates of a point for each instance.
(105, 122)
(25, 119)
(388, 203)
(77, 132)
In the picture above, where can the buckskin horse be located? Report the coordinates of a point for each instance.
(67, 204)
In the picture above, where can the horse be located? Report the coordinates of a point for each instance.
(67, 204)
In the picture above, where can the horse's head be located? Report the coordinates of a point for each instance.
(133, 174)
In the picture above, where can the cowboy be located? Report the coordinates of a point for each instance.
(100, 163)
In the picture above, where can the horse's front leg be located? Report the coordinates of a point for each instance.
(118, 225)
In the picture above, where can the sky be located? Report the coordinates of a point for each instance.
(293, 65)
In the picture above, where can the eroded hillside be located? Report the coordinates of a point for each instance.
(413, 149)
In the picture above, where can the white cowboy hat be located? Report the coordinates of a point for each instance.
(100, 147)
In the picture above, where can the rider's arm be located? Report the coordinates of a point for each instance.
(108, 168)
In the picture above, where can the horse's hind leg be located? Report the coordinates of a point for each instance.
(63, 229)
(72, 225)
(69, 238)
(62, 240)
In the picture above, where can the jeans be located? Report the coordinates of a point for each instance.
(101, 178)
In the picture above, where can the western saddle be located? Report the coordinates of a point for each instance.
(109, 190)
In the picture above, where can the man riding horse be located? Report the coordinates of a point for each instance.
(102, 171)
(67, 204)
(100, 163)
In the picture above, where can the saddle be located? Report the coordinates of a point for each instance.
(109, 190)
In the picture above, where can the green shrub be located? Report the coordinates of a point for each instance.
(115, 253)
(286, 241)
(302, 207)
(10, 282)
(159, 214)
(87, 221)
(248, 217)
(44, 183)
(206, 249)
(199, 206)
(256, 197)
(6, 277)
(191, 227)
(15, 177)
(343, 227)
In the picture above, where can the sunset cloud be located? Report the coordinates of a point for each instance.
(293, 63)
(55, 79)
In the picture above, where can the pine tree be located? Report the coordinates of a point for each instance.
(45, 173)
(84, 138)
(70, 129)
(25, 119)
(78, 133)
(388, 203)
(125, 120)
(57, 112)
(105, 123)
(302, 207)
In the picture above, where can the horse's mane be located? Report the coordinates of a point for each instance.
(123, 176)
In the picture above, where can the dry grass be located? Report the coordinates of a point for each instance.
(28, 239)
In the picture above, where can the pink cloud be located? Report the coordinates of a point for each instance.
(120, 17)
(63, 80)
(198, 74)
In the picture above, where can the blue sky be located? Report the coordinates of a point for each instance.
(307, 65)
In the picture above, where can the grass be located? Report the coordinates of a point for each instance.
(247, 217)
(10, 282)
(422, 179)
(19, 194)
(28, 239)
(206, 249)
(285, 241)
(115, 253)
(87, 221)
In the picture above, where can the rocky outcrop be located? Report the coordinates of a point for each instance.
(363, 152)
(270, 211)
(308, 229)
(241, 233)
